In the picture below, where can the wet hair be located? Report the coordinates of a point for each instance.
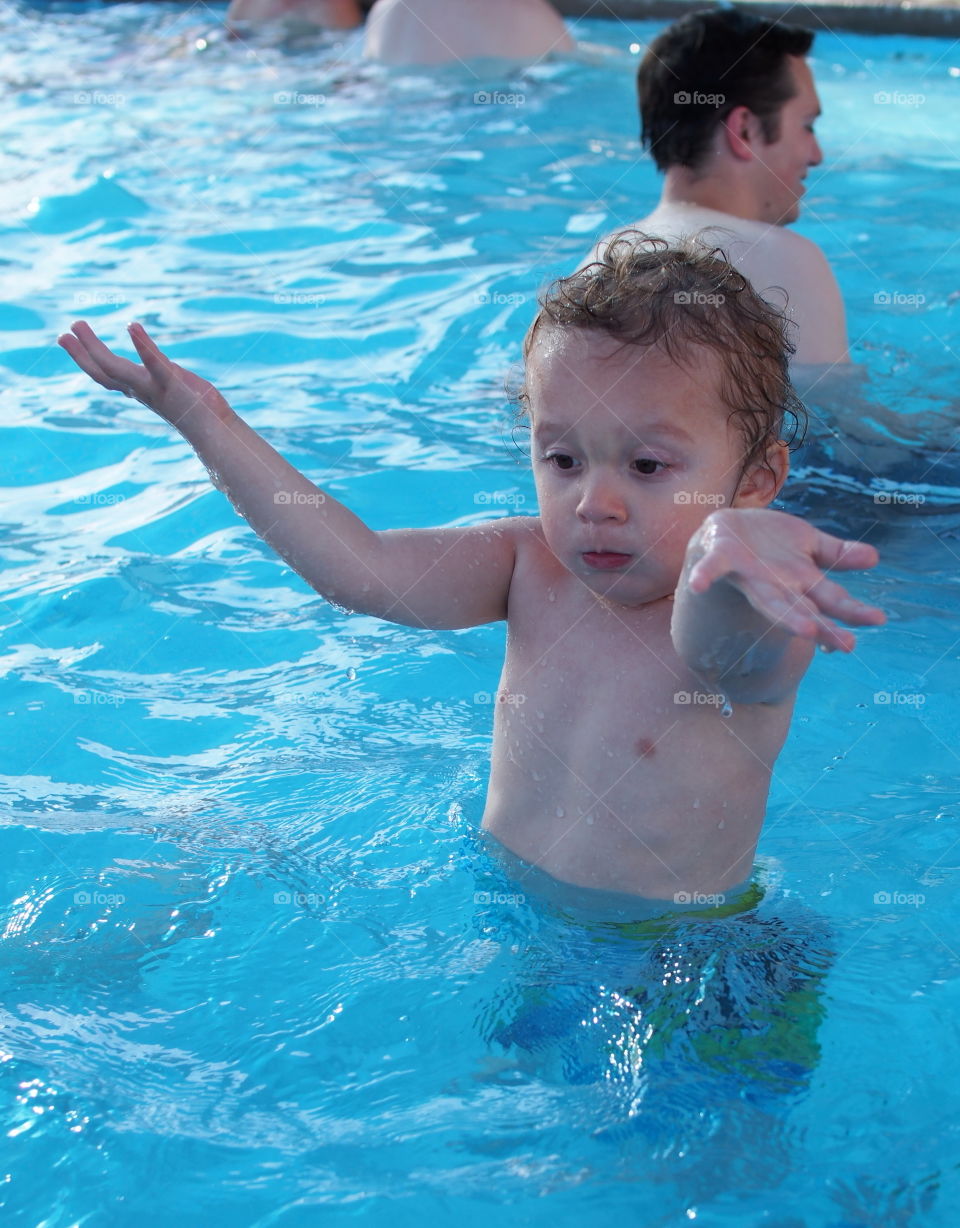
(699, 69)
(685, 299)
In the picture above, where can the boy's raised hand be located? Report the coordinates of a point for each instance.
(171, 391)
(778, 562)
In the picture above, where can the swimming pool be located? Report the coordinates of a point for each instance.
(257, 968)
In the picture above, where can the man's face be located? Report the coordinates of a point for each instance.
(631, 453)
(782, 164)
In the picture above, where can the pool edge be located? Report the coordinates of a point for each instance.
(941, 20)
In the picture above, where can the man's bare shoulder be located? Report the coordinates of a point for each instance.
(755, 247)
(710, 226)
(786, 268)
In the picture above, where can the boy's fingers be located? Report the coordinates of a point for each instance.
(793, 611)
(81, 357)
(833, 600)
(92, 343)
(100, 363)
(839, 555)
(86, 362)
(715, 565)
(810, 614)
(156, 362)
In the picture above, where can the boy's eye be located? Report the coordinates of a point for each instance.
(561, 460)
(646, 464)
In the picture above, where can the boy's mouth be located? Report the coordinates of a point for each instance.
(606, 560)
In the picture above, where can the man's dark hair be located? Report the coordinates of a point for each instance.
(703, 66)
(686, 300)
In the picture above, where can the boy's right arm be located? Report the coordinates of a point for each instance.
(441, 578)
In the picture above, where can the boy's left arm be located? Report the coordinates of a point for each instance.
(754, 600)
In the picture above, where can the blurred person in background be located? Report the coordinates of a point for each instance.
(439, 31)
(728, 106)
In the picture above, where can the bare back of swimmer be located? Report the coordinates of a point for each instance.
(440, 31)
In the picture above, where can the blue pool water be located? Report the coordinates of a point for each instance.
(257, 968)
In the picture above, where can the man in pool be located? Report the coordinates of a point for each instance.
(660, 615)
(728, 105)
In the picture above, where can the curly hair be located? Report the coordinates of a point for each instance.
(684, 298)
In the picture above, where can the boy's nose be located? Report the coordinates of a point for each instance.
(599, 502)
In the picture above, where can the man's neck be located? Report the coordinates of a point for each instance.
(723, 193)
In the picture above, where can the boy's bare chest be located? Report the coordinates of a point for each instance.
(571, 654)
(600, 689)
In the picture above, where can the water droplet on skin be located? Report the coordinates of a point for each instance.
(722, 824)
(589, 820)
(696, 803)
(551, 596)
(727, 709)
(351, 673)
(561, 813)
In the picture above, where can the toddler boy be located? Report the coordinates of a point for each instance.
(660, 616)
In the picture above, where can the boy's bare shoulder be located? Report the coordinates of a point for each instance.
(537, 571)
(531, 545)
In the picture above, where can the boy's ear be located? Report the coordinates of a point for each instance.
(761, 483)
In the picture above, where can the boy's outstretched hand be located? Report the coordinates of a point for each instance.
(171, 391)
(778, 562)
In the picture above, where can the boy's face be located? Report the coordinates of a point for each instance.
(631, 453)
